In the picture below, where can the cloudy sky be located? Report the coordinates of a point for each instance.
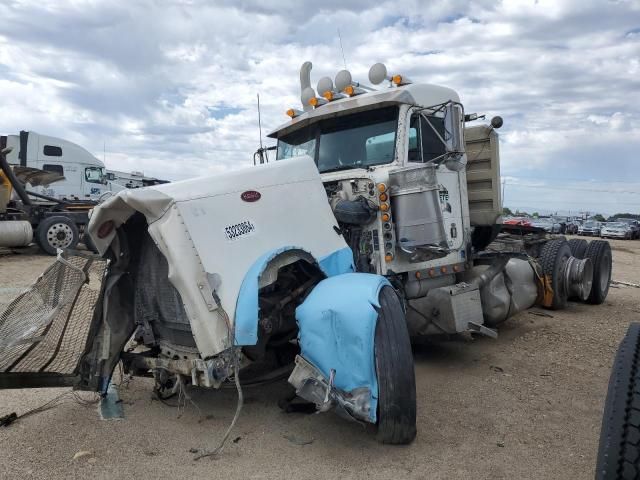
(170, 86)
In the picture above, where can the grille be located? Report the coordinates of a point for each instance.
(45, 328)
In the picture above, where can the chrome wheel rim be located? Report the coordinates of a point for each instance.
(59, 235)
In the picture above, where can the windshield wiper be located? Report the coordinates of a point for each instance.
(340, 167)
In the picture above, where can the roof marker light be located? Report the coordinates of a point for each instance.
(316, 102)
(352, 90)
(399, 80)
(293, 113)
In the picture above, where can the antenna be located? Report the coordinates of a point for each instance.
(344, 60)
(259, 121)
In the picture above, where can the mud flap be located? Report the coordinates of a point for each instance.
(45, 330)
(337, 324)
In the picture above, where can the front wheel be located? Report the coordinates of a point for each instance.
(396, 422)
(619, 450)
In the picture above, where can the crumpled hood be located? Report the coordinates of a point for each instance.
(211, 233)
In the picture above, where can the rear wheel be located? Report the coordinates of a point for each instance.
(57, 232)
(599, 251)
(396, 377)
(553, 256)
(578, 247)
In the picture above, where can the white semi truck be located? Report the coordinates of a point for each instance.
(379, 221)
(84, 174)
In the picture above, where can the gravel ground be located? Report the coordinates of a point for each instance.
(527, 405)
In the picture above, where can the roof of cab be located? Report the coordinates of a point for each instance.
(424, 95)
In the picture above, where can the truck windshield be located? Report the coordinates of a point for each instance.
(358, 140)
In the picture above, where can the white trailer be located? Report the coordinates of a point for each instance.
(132, 179)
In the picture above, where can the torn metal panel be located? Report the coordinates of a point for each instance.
(337, 324)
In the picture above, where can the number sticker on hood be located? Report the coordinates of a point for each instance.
(242, 229)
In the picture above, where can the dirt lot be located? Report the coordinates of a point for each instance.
(526, 405)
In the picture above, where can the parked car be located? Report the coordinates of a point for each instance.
(617, 230)
(572, 228)
(562, 221)
(634, 225)
(590, 228)
(519, 221)
(548, 224)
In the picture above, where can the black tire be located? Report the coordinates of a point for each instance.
(619, 449)
(553, 255)
(396, 377)
(57, 232)
(599, 251)
(483, 235)
(86, 239)
(578, 247)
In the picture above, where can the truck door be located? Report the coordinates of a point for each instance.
(51, 157)
(93, 182)
(46, 331)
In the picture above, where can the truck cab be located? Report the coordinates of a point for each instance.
(410, 202)
(84, 174)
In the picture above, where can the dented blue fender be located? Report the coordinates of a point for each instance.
(337, 326)
(246, 317)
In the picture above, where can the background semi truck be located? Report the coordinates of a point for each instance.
(55, 184)
(84, 174)
(26, 215)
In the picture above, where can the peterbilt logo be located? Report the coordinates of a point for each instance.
(250, 196)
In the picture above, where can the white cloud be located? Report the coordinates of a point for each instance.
(170, 87)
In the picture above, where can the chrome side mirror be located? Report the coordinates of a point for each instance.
(453, 140)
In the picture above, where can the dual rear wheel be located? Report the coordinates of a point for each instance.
(554, 255)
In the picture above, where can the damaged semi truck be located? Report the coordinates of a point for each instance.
(379, 221)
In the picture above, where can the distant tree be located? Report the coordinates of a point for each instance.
(535, 214)
(507, 211)
(599, 218)
(635, 216)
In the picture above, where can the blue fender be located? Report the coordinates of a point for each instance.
(337, 326)
(246, 317)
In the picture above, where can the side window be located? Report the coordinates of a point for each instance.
(432, 146)
(414, 153)
(52, 151)
(93, 174)
(54, 169)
